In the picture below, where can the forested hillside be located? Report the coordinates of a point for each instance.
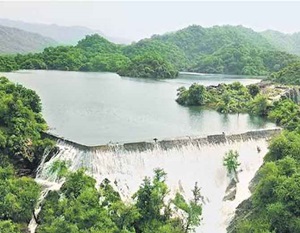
(219, 49)
(288, 75)
(21, 150)
(285, 42)
(14, 41)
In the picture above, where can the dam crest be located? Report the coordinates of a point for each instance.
(166, 144)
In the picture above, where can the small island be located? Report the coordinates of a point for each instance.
(272, 98)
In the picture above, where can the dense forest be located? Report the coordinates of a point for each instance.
(21, 149)
(21, 124)
(288, 75)
(219, 49)
(284, 42)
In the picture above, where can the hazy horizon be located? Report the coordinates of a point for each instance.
(137, 20)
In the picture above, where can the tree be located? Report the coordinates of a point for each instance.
(8, 226)
(150, 201)
(259, 105)
(193, 209)
(18, 196)
(230, 161)
(79, 207)
(253, 89)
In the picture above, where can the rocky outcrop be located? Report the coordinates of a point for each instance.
(242, 212)
(245, 209)
(276, 92)
(230, 192)
(292, 93)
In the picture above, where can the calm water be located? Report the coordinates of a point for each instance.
(96, 108)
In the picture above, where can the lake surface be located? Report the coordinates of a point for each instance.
(98, 108)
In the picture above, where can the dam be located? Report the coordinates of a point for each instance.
(185, 160)
(94, 111)
(166, 144)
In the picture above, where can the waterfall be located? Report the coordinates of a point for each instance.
(185, 165)
(48, 182)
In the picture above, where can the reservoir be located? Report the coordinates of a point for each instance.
(94, 108)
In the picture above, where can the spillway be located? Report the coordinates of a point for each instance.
(200, 160)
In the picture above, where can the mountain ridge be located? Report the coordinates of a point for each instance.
(287, 42)
(68, 35)
(219, 49)
(14, 40)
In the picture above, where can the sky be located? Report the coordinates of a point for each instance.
(140, 19)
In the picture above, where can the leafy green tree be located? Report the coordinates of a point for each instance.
(21, 125)
(195, 95)
(18, 197)
(8, 226)
(79, 207)
(259, 105)
(253, 89)
(287, 75)
(193, 209)
(230, 161)
(150, 201)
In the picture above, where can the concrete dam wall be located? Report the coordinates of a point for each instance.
(167, 144)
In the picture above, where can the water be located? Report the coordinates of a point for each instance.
(96, 108)
(184, 166)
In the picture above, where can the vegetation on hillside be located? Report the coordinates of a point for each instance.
(21, 149)
(219, 49)
(283, 42)
(274, 204)
(225, 98)
(289, 75)
(81, 207)
(236, 98)
(18, 198)
(21, 124)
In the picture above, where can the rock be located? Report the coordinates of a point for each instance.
(231, 185)
(230, 196)
(230, 192)
(243, 211)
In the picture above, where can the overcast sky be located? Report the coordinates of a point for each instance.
(136, 20)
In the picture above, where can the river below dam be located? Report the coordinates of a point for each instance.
(95, 108)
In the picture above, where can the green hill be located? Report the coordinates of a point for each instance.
(288, 75)
(219, 49)
(286, 42)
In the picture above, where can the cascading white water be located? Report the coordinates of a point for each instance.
(184, 166)
(49, 183)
